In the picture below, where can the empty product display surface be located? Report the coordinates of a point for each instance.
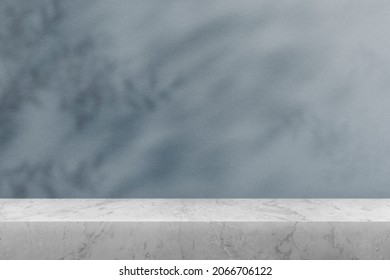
(190, 98)
(339, 229)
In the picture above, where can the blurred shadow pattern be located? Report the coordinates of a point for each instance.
(194, 98)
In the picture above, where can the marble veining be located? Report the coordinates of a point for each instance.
(278, 210)
(195, 229)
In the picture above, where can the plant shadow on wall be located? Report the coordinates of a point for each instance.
(193, 99)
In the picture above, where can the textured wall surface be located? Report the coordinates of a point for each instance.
(195, 229)
(194, 98)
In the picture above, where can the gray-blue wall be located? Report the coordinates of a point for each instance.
(194, 98)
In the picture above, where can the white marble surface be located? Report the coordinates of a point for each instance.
(256, 210)
(195, 229)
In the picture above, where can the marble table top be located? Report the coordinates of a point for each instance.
(194, 210)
